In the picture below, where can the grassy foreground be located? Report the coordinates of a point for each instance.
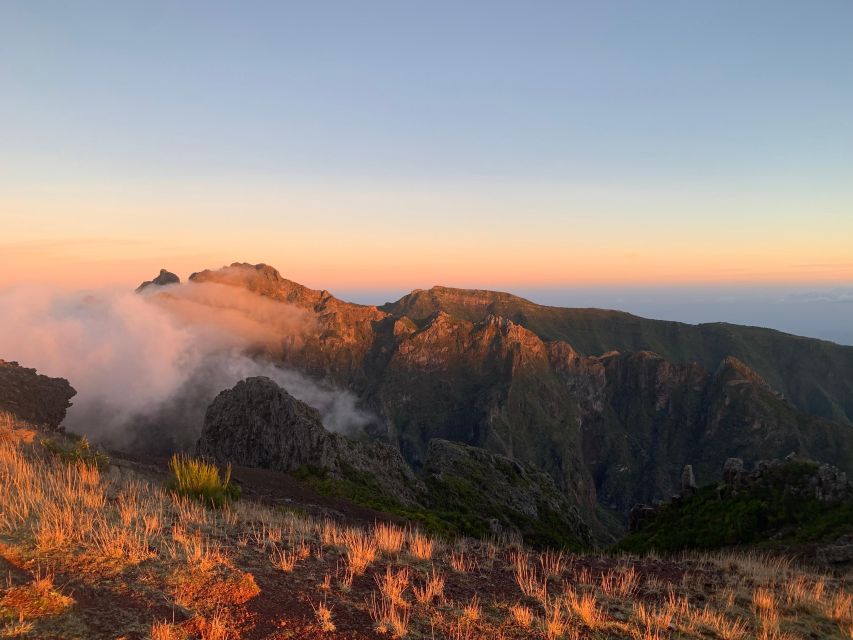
(87, 553)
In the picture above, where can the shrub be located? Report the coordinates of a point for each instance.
(79, 450)
(199, 479)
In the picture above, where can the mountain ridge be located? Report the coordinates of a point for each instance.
(613, 420)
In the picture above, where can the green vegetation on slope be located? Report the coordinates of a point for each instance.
(455, 507)
(761, 516)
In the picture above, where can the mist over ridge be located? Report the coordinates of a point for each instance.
(146, 365)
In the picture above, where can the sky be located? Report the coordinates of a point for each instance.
(554, 149)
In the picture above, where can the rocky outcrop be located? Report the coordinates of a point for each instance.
(688, 481)
(163, 279)
(796, 476)
(512, 496)
(32, 398)
(258, 424)
(792, 476)
(733, 471)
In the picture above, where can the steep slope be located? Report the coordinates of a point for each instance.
(815, 375)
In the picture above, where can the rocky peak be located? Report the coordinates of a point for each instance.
(163, 279)
(733, 372)
(259, 424)
(266, 281)
(471, 304)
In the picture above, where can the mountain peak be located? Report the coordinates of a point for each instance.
(266, 281)
(163, 278)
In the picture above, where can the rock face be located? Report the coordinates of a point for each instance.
(259, 424)
(610, 405)
(33, 398)
(164, 278)
(513, 496)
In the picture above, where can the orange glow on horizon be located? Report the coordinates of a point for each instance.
(105, 262)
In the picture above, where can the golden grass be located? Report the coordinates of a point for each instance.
(585, 607)
(283, 559)
(392, 584)
(472, 611)
(361, 550)
(69, 517)
(389, 538)
(522, 615)
(323, 615)
(165, 631)
(527, 579)
(420, 546)
(389, 618)
(460, 562)
(553, 563)
(621, 582)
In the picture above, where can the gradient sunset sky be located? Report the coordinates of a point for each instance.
(394, 145)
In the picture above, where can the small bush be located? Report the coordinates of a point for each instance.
(200, 480)
(80, 450)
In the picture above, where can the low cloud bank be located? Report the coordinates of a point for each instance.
(145, 366)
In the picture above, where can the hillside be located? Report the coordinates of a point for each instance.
(95, 548)
(543, 385)
(815, 375)
(794, 505)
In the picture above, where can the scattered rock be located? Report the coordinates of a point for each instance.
(639, 515)
(688, 481)
(835, 554)
(733, 471)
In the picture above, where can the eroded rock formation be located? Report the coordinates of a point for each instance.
(33, 398)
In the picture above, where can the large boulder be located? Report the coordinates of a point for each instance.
(258, 424)
(32, 398)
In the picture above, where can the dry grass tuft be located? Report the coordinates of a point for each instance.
(472, 611)
(553, 564)
(323, 615)
(361, 550)
(388, 618)
(165, 631)
(33, 600)
(522, 615)
(432, 588)
(389, 538)
(460, 562)
(527, 579)
(586, 608)
(283, 559)
(392, 584)
(420, 546)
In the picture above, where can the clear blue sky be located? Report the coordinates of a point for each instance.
(597, 91)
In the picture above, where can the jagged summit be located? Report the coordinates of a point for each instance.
(163, 279)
